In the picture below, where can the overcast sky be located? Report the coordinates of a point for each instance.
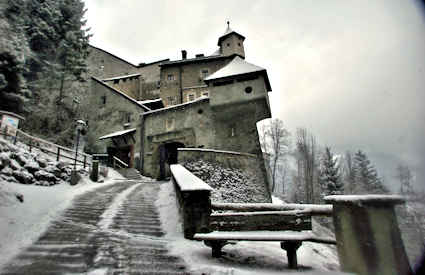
(352, 72)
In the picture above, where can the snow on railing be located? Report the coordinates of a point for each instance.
(313, 209)
(59, 151)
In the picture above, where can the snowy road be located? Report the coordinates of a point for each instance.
(112, 230)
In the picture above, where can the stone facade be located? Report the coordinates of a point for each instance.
(112, 109)
(211, 102)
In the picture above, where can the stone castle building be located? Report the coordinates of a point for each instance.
(207, 102)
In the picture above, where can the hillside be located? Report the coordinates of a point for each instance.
(43, 50)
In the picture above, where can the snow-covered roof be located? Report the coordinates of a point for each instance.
(236, 67)
(239, 66)
(121, 77)
(228, 32)
(199, 99)
(118, 134)
(149, 101)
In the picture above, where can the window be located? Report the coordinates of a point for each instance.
(171, 100)
(169, 124)
(170, 77)
(206, 93)
(103, 99)
(191, 97)
(128, 119)
(204, 73)
(239, 44)
(158, 84)
(248, 90)
(116, 81)
(228, 44)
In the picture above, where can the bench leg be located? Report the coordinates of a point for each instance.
(216, 247)
(291, 252)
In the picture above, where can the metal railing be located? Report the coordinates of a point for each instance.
(119, 163)
(45, 146)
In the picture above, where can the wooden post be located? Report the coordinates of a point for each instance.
(30, 144)
(85, 158)
(58, 154)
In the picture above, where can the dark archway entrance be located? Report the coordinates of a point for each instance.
(168, 154)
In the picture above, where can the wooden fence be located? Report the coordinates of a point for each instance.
(61, 153)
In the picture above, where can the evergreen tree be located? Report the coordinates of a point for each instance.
(366, 177)
(329, 178)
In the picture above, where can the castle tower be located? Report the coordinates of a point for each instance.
(231, 42)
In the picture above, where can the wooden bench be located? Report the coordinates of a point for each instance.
(288, 224)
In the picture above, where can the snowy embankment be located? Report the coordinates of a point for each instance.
(21, 223)
(243, 257)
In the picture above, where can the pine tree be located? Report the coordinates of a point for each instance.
(366, 176)
(330, 179)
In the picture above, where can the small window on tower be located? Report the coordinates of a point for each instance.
(170, 77)
(191, 97)
(204, 73)
(228, 44)
(116, 81)
(103, 99)
(239, 44)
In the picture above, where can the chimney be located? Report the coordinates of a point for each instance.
(184, 54)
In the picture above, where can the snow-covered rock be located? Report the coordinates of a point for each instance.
(14, 165)
(43, 175)
(23, 176)
(32, 166)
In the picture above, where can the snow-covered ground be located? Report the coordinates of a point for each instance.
(22, 223)
(243, 257)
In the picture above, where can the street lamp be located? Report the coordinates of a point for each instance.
(81, 130)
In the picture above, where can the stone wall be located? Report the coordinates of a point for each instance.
(130, 85)
(191, 78)
(189, 124)
(150, 81)
(235, 177)
(104, 65)
(111, 110)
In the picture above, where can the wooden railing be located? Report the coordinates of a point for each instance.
(45, 146)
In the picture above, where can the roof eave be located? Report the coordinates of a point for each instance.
(221, 38)
(262, 72)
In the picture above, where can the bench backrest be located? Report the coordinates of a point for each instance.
(261, 220)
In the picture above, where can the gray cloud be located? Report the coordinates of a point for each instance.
(351, 71)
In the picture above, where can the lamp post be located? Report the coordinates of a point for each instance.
(81, 130)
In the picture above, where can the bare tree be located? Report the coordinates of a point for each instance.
(275, 140)
(404, 175)
(349, 172)
(306, 154)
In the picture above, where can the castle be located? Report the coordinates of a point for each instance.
(209, 102)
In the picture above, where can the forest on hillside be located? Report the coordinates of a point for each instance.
(43, 70)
